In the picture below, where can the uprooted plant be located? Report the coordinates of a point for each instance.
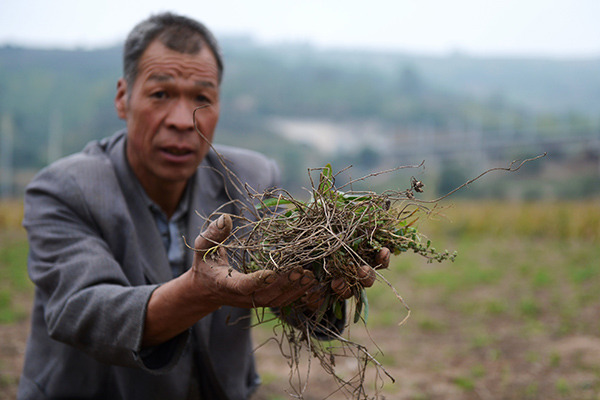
(332, 234)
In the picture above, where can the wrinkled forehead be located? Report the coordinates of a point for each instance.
(161, 63)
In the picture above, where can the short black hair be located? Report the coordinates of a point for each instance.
(176, 32)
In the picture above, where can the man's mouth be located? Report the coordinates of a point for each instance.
(176, 152)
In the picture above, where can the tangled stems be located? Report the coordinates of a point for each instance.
(334, 229)
(333, 233)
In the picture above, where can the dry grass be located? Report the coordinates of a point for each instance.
(566, 220)
(11, 214)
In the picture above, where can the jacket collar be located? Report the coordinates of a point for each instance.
(154, 259)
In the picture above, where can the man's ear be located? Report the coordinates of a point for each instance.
(121, 98)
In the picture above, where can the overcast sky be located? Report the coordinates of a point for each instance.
(556, 28)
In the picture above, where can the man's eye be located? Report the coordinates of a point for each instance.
(159, 95)
(202, 100)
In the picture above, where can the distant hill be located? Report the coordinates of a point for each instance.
(73, 91)
(537, 85)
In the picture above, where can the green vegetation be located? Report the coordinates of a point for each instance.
(14, 281)
(464, 383)
(505, 316)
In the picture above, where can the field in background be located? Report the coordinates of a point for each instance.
(16, 292)
(515, 317)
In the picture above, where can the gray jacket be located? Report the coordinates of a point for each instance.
(96, 257)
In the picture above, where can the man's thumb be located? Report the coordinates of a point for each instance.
(216, 233)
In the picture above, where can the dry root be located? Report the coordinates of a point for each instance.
(332, 234)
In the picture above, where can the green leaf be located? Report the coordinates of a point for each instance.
(346, 198)
(356, 243)
(375, 244)
(323, 309)
(362, 306)
(317, 269)
(286, 310)
(272, 202)
(365, 301)
(358, 310)
(326, 180)
(328, 172)
(338, 310)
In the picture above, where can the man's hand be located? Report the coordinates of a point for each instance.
(222, 285)
(366, 275)
(212, 283)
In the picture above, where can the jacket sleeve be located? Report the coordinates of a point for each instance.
(90, 303)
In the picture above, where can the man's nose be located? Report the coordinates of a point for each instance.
(180, 116)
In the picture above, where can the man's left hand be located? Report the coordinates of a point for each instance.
(314, 299)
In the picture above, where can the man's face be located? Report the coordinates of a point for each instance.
(163, 147)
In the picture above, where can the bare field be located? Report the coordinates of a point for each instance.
(516, 316)
(507, 320)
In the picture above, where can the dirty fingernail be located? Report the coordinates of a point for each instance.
(270, 279)
(295, 275)
(338, 285)
(221, 222)
(305, 280)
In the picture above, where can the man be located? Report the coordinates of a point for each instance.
(122, 310)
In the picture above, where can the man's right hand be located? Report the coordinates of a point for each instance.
(212, 283)
(222, 285)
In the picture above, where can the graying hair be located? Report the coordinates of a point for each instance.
(176, 32)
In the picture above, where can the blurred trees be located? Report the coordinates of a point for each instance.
(399, 96)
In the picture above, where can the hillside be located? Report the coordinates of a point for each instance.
(353, 105)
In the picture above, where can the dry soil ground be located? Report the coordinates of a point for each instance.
(517, 316)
